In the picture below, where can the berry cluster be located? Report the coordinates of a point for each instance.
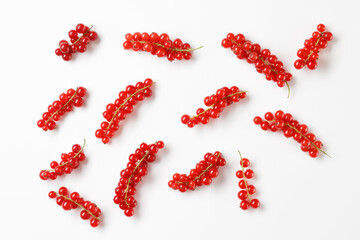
(159, 45)
(132, 174)
(59, 107)
(68, 163)
(312, 46)
(216, 104)
(78, 43)
(117, 111)
(264, 61)
(247, 190)
(73, 200)
(202, 174)
(291, 128)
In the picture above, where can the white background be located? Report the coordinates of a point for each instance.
(301, 197)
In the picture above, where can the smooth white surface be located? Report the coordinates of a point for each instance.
(302, 198)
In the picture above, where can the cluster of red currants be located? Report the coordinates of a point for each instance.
(132, 174)
(312, 46)
(59, 107)
(216, 104)
(202, 174)
(123, 105)
(291, 128)
(159, 45)
(73, 200)
(264, 61)
(68, 163)
(79, 43)
(247, 190)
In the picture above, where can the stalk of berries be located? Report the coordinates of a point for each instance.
(123, 105)
(312, 46)
(263, 60)
(73, 200)
(202, 174)
(159, 45)
(216, 104)
(59, 107)
(132, 175)
(78, 42)
(247, 190)
(291, 128)
(69, 162)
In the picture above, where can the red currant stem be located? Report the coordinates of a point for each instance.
(273, 70)
(308, 139)
(62, 165)
(91, 26)
(173, 49)
(80, 206)
(311, 52)
(127, 99)
(203, 172)
(211, 106)
(52, 115)
(288, 87)
(244, 177)
(137, 165)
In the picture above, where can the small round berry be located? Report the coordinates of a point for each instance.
(255, 203)
(80, 28)
(321, 27)
(63, 191)
(299, 64)
(67, 56)
(129, 212)
(52, 194)
(244, 205)
(160, 144)
(257, 120)
(244, 162)
(249, 173)
(242, 195)
(94, 222)
(314, 153)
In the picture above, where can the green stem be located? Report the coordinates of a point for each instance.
(173, 49)
(273, 70)
(311, 52)
(91, 26)
(308, 139)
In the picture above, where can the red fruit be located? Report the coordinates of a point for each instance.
(216, 103)
(158, 45)
(132, 175)
(117, 111)
(310, 53)
(292, 129)
(202, 174)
